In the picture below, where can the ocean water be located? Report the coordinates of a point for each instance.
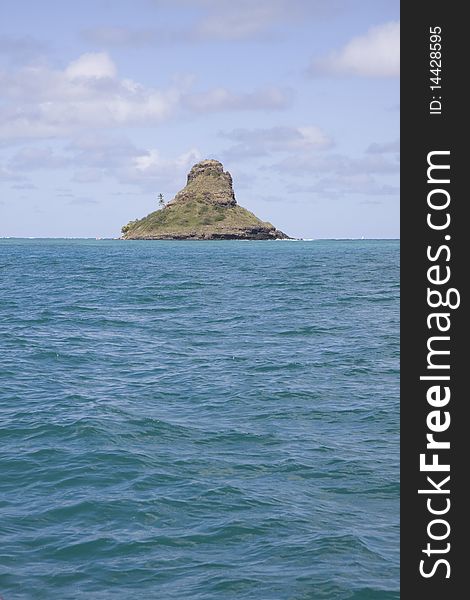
(199, 420)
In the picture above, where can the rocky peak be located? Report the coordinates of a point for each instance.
(206, 167)
(205, 209)
(208, 181)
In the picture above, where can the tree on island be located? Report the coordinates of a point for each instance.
(161, 201)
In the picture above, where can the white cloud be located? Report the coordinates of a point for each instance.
(219, 99)
(338, 175)
(313, 136)
(258, 142)
(151, 167)
(41, 102)
(96, 65)
(94, 157)
(46, 103)
(153, 163)
(97, 157)
(375, 54)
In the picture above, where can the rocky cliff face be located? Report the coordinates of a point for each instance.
(204, 209)
(207, 180)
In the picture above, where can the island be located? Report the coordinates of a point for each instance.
(205, 209)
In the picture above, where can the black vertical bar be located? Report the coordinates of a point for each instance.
(429, 128)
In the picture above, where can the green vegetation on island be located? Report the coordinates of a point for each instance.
(205, 209)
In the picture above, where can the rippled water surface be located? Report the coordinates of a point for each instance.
(199, 420)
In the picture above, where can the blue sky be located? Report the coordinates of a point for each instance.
(104, 104)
